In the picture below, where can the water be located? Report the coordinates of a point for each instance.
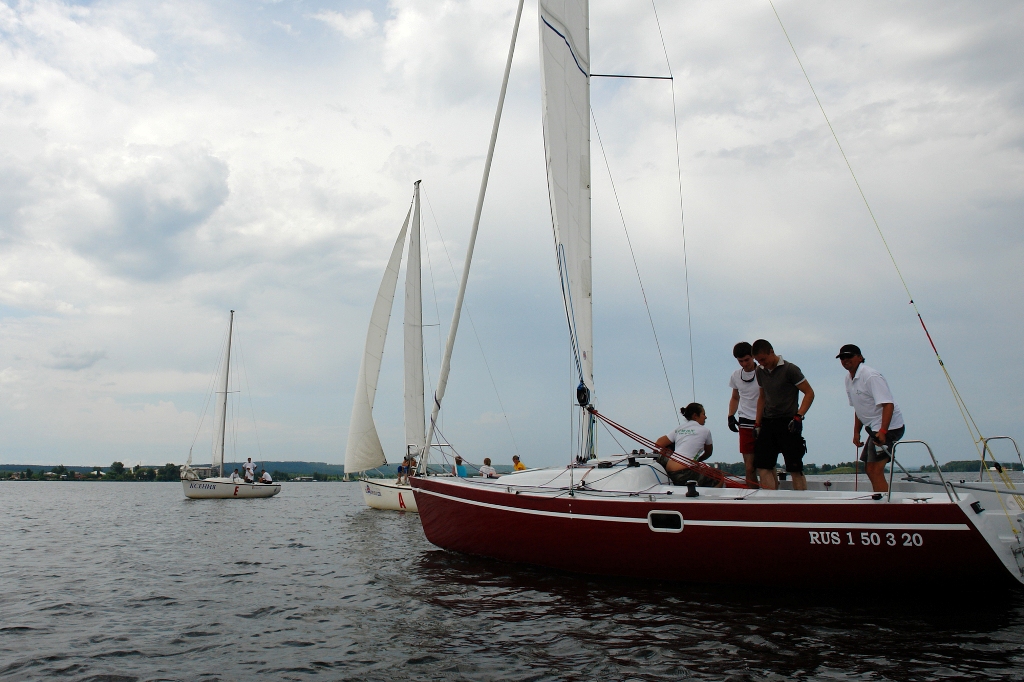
(122, 581)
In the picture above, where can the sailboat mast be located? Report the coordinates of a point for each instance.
(446, 362)
(414, 392)
(224, 394)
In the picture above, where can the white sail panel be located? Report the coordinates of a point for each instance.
(414, 412)
(565, 88)
(364, 450)
(219, 419)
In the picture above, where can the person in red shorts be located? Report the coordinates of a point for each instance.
(743, 405)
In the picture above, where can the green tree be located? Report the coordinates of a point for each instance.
(168, 472)
(115, 472)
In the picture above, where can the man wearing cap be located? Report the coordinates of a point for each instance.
(780, 416)
(875, 410)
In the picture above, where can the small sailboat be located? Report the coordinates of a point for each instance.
(364, 450)
(221, 488)
(621, 516)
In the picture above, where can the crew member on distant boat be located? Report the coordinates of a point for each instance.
(486, 470)
(235, 478)
(743, 405)
(265, 477)
(250, 471)
(459, 469)
(410, 469)
(875, 410)
(402, 468)
(693, 440)
(517, 465)
(779, 421)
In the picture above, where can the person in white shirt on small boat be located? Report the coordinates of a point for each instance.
(743, 405)
(265, 477)
(250, 471)
(875, 410)
(692, 440)
(235, 478)
(486, 470)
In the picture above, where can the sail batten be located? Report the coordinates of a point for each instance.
(565, 87)
(364, 450)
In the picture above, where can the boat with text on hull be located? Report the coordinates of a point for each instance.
(221, 487)
(621, 516)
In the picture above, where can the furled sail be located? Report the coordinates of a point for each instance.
(364, 450)
(565, 87)
(414, 412)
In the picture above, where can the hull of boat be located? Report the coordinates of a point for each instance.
(769, 537)
(382, 493)
(225, 490)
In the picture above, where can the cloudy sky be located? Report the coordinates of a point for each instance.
(166, 162)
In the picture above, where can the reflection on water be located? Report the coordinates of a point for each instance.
(132, 582)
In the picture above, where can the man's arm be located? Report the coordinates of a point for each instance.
(808, 398)
(856, 430)
(734, 402)
(887, 410)
(760, 406)
(664, 444)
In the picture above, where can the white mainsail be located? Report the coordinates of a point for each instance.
(221, 414)
(565, 88)
(414, 412)
(364, 450)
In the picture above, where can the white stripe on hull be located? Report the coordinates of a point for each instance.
(386, 494)
(219, 490)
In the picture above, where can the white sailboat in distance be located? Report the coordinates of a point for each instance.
(364, 450)
(221, 488)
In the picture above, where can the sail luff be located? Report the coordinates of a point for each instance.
(565, 87)
(363, 450)
(414, 411)
(446, 361)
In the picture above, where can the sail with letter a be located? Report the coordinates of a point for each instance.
(364, 450)
(565, 88)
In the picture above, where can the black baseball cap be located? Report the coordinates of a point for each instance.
(848, 351)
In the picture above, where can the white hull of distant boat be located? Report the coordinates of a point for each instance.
(225, 489)
(381, 493)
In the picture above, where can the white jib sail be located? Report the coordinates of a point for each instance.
(565, 87)
(414, 412)
(364, 450)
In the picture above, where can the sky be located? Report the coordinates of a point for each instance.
(164, 163)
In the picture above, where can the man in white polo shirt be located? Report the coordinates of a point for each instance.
(743, 405)
(875, 410)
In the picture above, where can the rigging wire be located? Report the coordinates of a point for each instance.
(472, 326)
(248, 392)
(206, 405)
(972, 427)
(636, 267)
(682, 214)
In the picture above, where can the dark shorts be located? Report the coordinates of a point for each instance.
(774, 439)
(746, 436)
(681, 476)
(873, 453)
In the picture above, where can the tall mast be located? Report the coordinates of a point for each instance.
(224, 394)
(442, 379)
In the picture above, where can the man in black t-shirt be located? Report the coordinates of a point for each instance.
(779, 421)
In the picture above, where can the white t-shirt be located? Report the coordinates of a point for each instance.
(249, 467)
(749, 391)
(487, 471)
(266, 477)
(868, 391)
(690, 438)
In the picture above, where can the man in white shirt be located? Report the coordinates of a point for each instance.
(875, 410)
(250, 471)
(487, 471)
(266, 477)
(743, 405)
(691, 440)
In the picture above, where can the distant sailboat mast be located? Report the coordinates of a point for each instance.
(414, 410)
(222, 406)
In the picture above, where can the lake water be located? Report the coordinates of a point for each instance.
(126, 581)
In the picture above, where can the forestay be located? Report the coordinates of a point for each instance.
(364, 450)
(565, 87)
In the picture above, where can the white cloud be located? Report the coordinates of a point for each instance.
(356, 26)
